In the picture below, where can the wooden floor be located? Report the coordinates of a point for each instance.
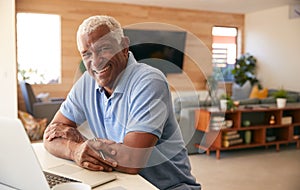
(249, 169)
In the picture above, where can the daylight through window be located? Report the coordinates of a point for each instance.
(39, 48)
(224, 50)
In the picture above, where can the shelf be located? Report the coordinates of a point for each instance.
(243, 145)
(296, 124)
(239, 146)
(277, 142)
(277, 126)
(260, 128)
(252, 127)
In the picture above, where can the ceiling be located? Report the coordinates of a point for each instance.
(230, 6)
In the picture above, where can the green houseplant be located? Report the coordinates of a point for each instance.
(82, 67)
(281, 96)
(226, 103)
(244, 70)
(281, 93)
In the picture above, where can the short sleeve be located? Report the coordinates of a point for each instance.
(72, 107)
(149, 105)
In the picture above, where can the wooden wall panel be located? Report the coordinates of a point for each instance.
(198, 23)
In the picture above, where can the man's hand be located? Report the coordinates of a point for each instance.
(60, 130)
(94, 155)
(62, 139)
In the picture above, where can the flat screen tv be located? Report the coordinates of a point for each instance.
(161, 49)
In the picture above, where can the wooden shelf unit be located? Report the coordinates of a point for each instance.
(259, 117)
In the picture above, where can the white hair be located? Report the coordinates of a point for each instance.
(92, 23)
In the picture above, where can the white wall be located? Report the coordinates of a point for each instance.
(274, 40)
(8, 79)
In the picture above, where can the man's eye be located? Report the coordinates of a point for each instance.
(86, 55)
(104, 49)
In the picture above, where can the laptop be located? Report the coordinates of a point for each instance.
(20, 168)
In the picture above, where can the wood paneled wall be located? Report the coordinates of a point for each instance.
(198, 24)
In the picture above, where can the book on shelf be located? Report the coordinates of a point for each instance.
(286, 120)
(227, 143)
(230, 132)
(230, 137)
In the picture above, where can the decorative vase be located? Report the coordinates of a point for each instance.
(247, 137)
(281, 102)
(246, 123)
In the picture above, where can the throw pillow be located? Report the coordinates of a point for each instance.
(34, 127)
(257, 93)
(241, 92)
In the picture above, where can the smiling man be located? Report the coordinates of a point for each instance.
(128, 108)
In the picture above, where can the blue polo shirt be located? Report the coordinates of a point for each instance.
(140, 102)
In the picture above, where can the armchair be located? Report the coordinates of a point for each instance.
(36, 107)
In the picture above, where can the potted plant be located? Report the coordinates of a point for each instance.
(226, 103)
(281, 97)
(244, 70)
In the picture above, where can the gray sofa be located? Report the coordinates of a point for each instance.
(36, 107)
(293, 97)
(184, 108)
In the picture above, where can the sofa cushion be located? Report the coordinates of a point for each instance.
(241, 92)
(258, 93)
(268, 100)
(189, 102)
(292, 98)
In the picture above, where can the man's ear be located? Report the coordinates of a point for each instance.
(125, 44)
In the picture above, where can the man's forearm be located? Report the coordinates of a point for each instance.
(130, 160)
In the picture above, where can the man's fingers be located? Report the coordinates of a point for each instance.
(51, 132)
(98, 151)
(56, 134)
(95, 161)
(53, 135)
(101, 144)
(108, 160)
(61, 131)
(96, 167)
(106, 141)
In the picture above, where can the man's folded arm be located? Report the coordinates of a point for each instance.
(133, 154)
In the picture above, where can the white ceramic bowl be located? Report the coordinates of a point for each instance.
(229, 123)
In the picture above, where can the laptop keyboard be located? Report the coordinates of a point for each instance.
(54, 179)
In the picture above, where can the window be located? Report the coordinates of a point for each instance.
(39, 48)
(224, 50)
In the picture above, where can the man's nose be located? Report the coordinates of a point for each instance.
(98, 60)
